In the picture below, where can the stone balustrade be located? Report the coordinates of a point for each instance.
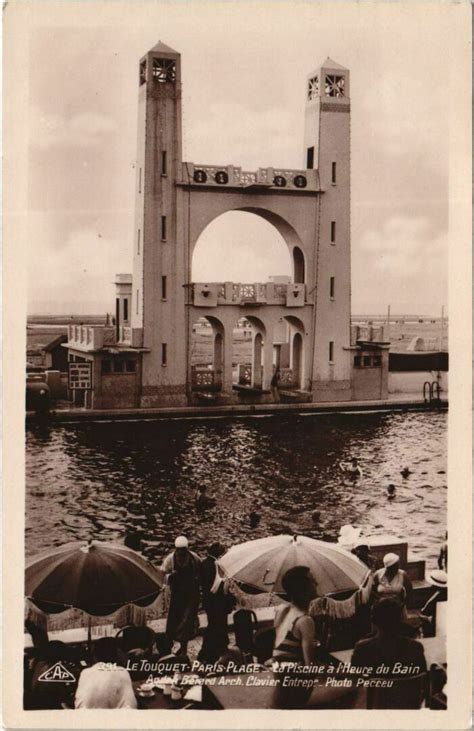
(212, 294)
(244, 374)
(286, 378)
(204, 378)
(90, 337)
(132, 336)
(367, 333)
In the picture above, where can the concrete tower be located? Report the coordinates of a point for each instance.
(302, 326)
(159, 260)
(327, 148)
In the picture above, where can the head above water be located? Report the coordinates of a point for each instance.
(354, 461)
(300, 586)
(391, 489)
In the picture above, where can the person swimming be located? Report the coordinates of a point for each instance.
(405, 472)
(391, 491)
(254, 519)
(202, 499)
(351, 469)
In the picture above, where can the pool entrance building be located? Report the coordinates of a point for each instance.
(299, 325)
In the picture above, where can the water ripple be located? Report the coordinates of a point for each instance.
(100, 480)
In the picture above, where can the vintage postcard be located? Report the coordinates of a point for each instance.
(237, 364)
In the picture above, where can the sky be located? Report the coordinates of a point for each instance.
(244, 69)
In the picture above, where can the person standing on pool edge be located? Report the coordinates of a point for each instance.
(182, 568)
(274, 386)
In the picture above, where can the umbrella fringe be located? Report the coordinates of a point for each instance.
(73, 618)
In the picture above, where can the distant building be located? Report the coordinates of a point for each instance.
(51, 356)
(279, 279)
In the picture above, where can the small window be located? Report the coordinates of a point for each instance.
(164, 70)
(333, 232)
(139, 235)
(334, 85)
(331, 351)
(357, 361)
(118, 366)
(310, 158)
(142, 72)
(333, 173)
(367, 361)
(139, 180)
(164, 354)
(163, 163)
(125, 309)
(377, 361)
(313, 88)
(163, 288)
(106, 366)
(163, 228)
(331, 287)
(136, 304)
(130, 366)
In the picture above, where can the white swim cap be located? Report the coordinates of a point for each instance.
(181, 542)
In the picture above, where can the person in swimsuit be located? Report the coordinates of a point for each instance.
(351, 469)
(296, 647)
(392, 582)
(295, 640)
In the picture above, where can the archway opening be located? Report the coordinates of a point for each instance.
(240, 246)
(248, 353)
(297, 359)
(298, 266)
(288, 352)
(207, 354)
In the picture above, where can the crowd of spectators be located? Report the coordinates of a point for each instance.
(384, 635)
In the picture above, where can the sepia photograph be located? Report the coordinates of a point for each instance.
(236, 341)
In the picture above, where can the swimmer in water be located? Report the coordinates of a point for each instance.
(391, 489)
(203, 500)
(405, 472)
(254, 519)
(351, 469)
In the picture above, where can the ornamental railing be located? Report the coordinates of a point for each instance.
(231, 176)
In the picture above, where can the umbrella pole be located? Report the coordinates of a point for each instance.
(89, 635)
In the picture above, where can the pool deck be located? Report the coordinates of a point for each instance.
(395, 402)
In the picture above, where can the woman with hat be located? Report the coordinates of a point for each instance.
(391, 582)
(182, 569)
(434, 611)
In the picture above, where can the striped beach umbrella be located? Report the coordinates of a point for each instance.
(262, 563)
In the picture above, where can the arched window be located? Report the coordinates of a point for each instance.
(298, 266)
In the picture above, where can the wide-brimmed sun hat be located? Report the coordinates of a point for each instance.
(438, 578)
(181, 542)
(390, 559)
(348, 536)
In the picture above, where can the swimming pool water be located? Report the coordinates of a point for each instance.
(98, 480)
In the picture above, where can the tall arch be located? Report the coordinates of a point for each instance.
(297, 359)
(299, 269)
(207, 370)
(208, 215)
